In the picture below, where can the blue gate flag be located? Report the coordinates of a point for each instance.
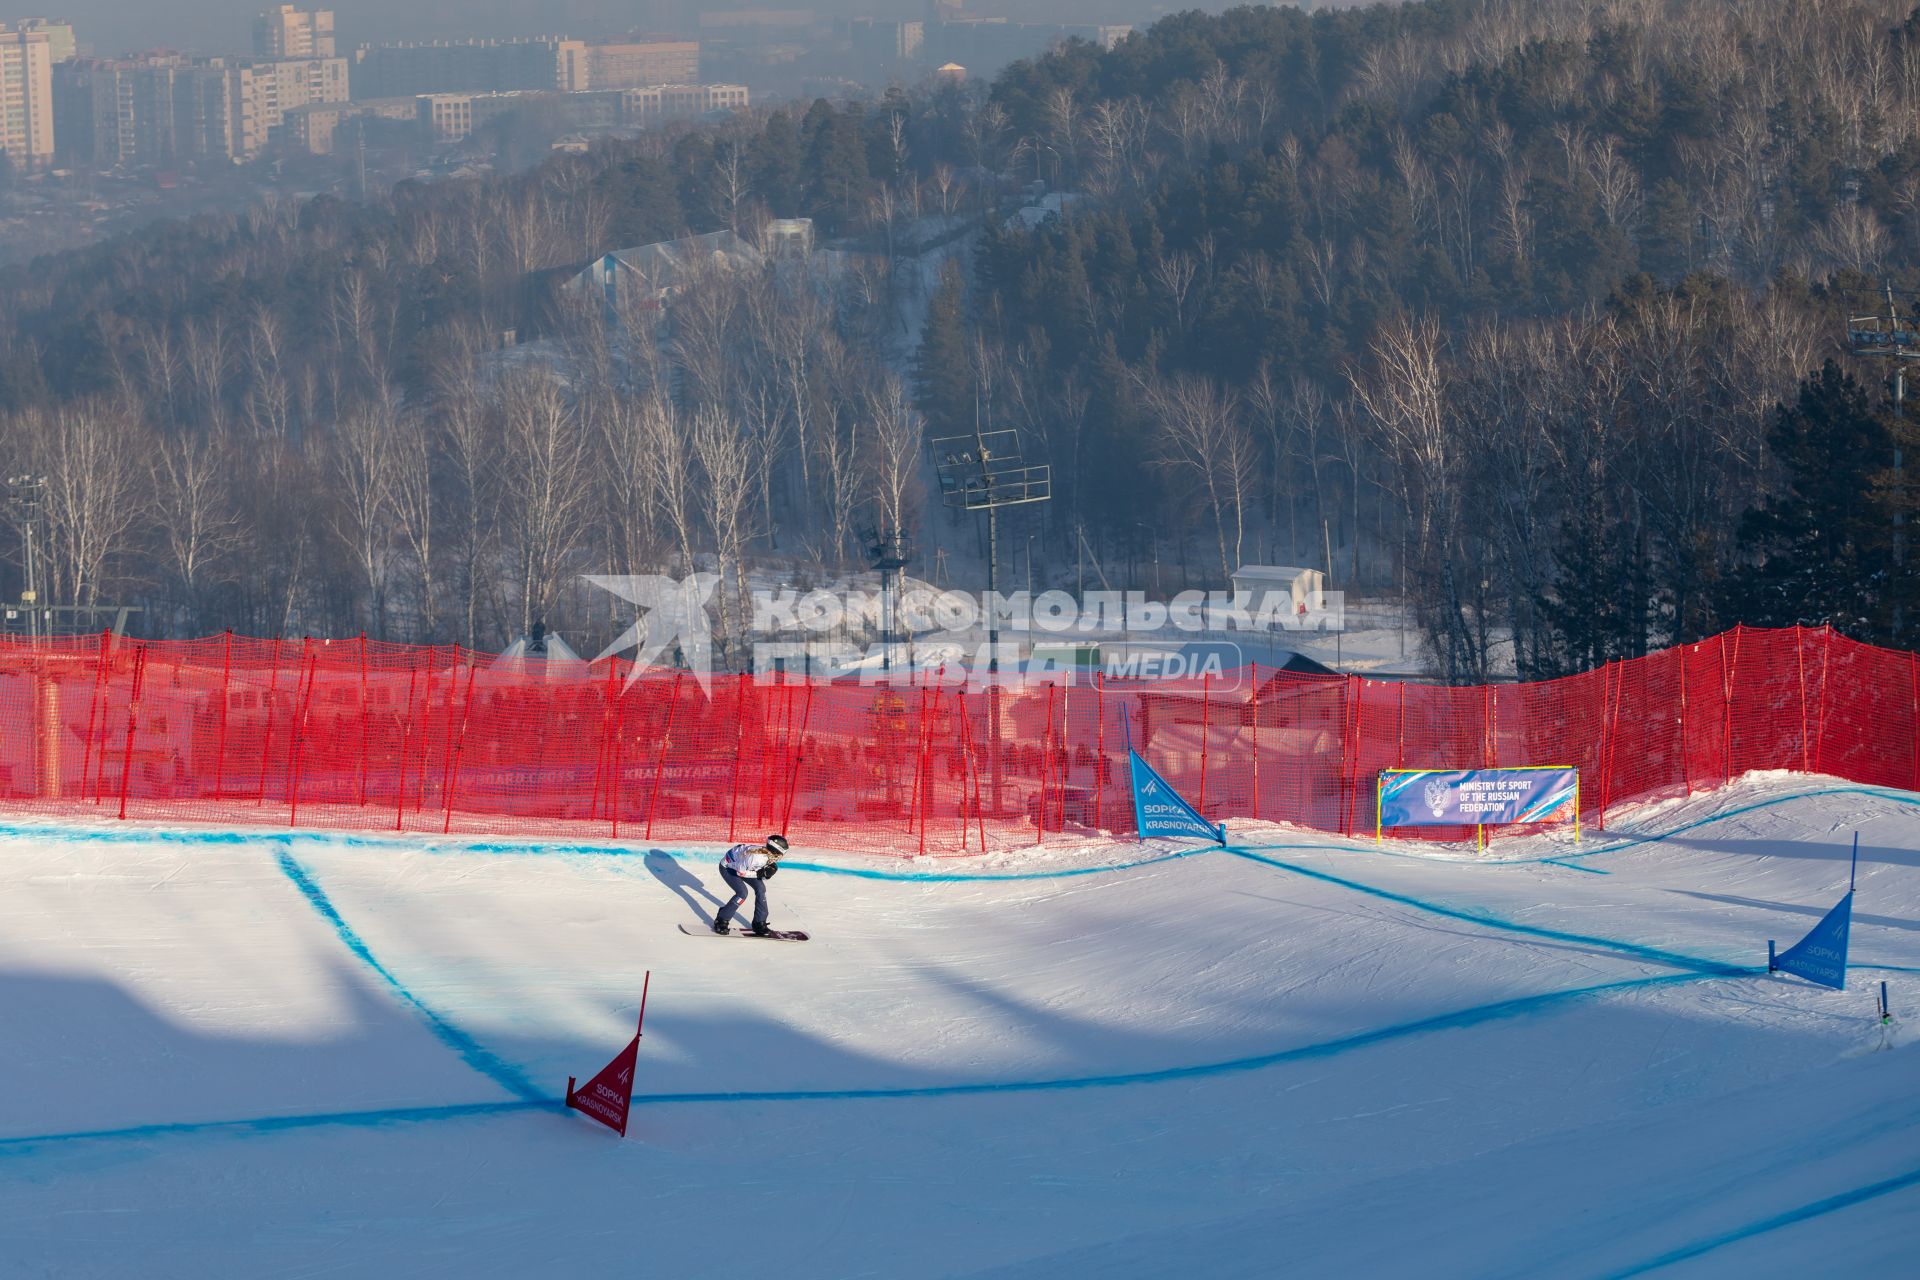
(1477, 797)
(1159, 810)
(1821, 956)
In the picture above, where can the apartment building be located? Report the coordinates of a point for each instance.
(317, 127)
(288, 32)
(635, 64)
(163, 109)
(449, 117)
(26, 96)
(469, 66)
(59, 33)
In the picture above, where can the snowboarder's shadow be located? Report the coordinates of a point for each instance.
(682, 881)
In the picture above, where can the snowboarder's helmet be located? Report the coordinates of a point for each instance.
(777, 844)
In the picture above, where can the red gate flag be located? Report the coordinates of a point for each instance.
(609, 1095)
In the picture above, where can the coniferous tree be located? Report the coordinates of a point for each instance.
(1822, 545)
(943, 378)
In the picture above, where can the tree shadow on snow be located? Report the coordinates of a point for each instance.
(1860, 917)
(1839, 849)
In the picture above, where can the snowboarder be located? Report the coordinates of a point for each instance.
(744, 866)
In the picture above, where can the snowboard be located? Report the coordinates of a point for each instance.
(778, 935)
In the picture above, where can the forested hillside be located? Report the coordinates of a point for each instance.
(1521, 309)
(1505, 294)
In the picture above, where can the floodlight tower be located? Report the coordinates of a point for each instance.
(1888, 335)
(986, 471)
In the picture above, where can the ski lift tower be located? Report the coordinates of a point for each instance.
(888, 551)
(986, 471)
(1888, 335)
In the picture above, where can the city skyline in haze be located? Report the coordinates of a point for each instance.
(111, 27)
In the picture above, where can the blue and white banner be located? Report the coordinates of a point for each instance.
(1821, 956)
(1477, 797)
(1159, 810)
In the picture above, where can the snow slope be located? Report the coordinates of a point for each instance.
(273, 1053)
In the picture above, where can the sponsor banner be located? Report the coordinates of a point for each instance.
(1477, 797)
(1159, 810)
(1821, 956)
(553, 779)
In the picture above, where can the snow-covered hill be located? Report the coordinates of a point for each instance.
(271, 1053)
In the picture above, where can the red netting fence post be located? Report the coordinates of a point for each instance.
(402, 763)
(739, 749)
(266, 738)
(1099, 750)
(1913, 690)
(919, 811)
(1800, 673)
(1206, 731)
(1686, 742)
(93, 762)
(363, 719)
(426, 731)
(973, 768)
(1349, 751)
(600, 751)
(1726, 693)
(226, 696)
(1045, 812)
(1826, 664)
(798, 758)
(299, 727)
(133, 711)
(1609, 736)
(660, 760)
(458, 746)
(1253, 734)
(615, 692)
(1400, 730)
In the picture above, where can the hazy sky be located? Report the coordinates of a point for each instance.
(225, 26)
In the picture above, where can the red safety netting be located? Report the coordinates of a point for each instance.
(360, 734)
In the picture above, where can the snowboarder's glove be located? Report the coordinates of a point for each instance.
(766, 872)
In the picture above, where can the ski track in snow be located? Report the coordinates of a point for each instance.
(1358, 965)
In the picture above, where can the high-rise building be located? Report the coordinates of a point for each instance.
(59, 36)
(164, 109)
(288, 32)
(26, 97)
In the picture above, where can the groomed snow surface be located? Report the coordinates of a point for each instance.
(233, 1053)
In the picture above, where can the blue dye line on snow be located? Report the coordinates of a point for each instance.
(471, 1052)
(1498, 1011)
(259, 1125)
(1574, 866)
(534, 848)
(1819, 1208)
(1655, 954)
